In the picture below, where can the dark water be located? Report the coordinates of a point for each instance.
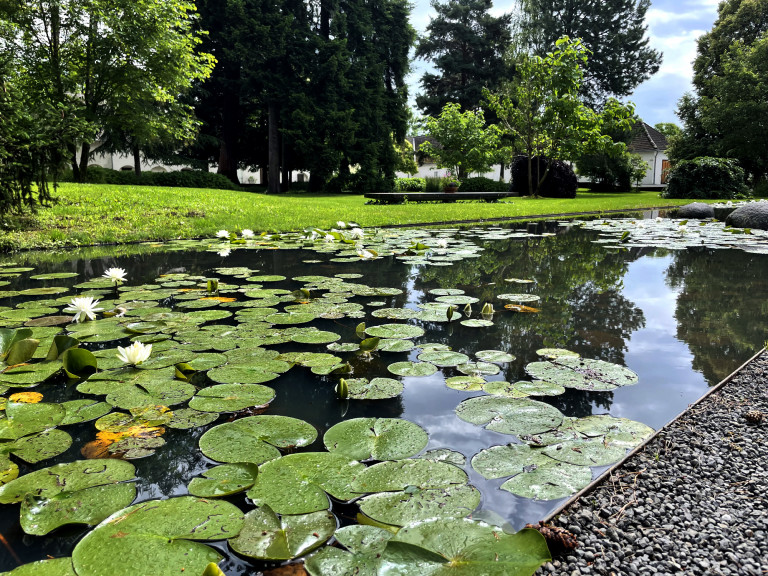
(682, 320)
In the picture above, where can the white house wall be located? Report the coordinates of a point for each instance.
(430, 170)
(654, 161)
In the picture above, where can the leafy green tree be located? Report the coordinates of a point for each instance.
(669, 129)
(614, 31)
(724, 115)
(543, 112)
(467, 46)
(464, 144)
(93, 54)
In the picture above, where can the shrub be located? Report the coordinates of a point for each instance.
(560, 182)
(611, 173)
(410, 184)
(706, 177)
(482, 184)
(433, 184)
(180, 179)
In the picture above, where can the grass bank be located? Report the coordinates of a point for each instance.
(85, 214)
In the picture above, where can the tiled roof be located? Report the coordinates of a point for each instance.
(647, 139)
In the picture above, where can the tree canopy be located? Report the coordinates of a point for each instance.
(613, 31)
(466, 44)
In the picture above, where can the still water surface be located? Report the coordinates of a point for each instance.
(682, 320)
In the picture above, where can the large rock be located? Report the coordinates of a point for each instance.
(695, 210)
(752, 215)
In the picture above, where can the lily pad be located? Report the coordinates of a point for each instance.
(467, 383)
(224, 480)
(395, 345)
(443, 358)
(445, 455)
(550, 482)
(399, 331)
(412, 368)
(519, 297)
(265, 536)
(494, 356)
(23, 419)
(377, 438)
(582, 374)
(298, 483)
(314, 336)
(80, 492)
(476, 323)
(538, 388)
(38, 447)
(52, 567)
(186, 418)
(376, 389)
(156, 537)
(503, 388)
(557, 353)
(255, 439)
(400, 508)
(510, 415)
(231, 397)
(478, 368)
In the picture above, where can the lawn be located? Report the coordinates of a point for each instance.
(85, 214)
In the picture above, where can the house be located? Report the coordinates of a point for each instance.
(651, 145)
(428, 168)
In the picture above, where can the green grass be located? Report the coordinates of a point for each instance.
(85, 214)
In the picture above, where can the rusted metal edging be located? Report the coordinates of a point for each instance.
(600, 479)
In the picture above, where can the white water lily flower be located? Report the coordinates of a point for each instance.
(640, 225)
(366, 254)
(222, 234)
(117, 275)
(341, 224)
(682, 228)
(441, 243)
(136, 353)
(659, 218)
(329, 238)
(356, 233)
(314, 236)
(224, 253)
(248, 233)
(85, 308)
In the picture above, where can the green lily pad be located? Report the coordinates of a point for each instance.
(478, 368)
(38, 447)
(395, 345)
(400, 508)
(156, 537)
(468, 383)
(510, 415)
(23, 419)
(79, 363)
(508, 460)
(314, 336)
(80, 492)
(395, 313)
(519, 298)
(446, 291)
(78, 411)
(443, 358)
(376, 389)
(503, 388)
(8, 469)
(238, 374)
(539, 388)
(224, 480)
(29, 375)
(557, 353)
(52, 567)
(412, 368)
(255, 439)
(344, 346)
(403, 474)
(445, 455)
(266, 537)
(457, 300)
(231, 397)
(54, 276)
(298, 483)
(586, 452)
(618, 431)
(582, 374)
(476, 323)
(549, 482)
(283, 318)
(377, 438)
(494, 356)
(399, 331)
(186, 418)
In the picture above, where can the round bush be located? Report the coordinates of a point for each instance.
(706, 177)
(561, 182)
(410, 184)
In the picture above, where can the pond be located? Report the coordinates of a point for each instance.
(247, 329)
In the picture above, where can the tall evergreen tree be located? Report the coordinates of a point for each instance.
(466, 45)
(614, 31)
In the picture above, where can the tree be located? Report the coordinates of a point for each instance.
(543, 113)
(467, 46)
(614, 31)
(464, 143)
(669, 129)
(100, 56)
(727, 114)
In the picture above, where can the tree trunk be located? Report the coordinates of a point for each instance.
(136, 160)
(501, 172)
(228, 152)
(273, 180)
(285, 176)
(73, 162)
(85, 152)
(530, 175)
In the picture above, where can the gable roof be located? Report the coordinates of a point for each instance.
(647, 139)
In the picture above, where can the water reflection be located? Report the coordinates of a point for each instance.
(681, 320)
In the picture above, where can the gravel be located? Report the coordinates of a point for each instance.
(692, 501)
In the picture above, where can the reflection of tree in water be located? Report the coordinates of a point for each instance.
(722, 307)
(582, 306)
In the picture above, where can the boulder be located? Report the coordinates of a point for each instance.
(752, 215)
(695, 210)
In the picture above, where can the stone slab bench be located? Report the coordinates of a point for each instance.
(400, 197)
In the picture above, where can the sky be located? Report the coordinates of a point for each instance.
(673, 27)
